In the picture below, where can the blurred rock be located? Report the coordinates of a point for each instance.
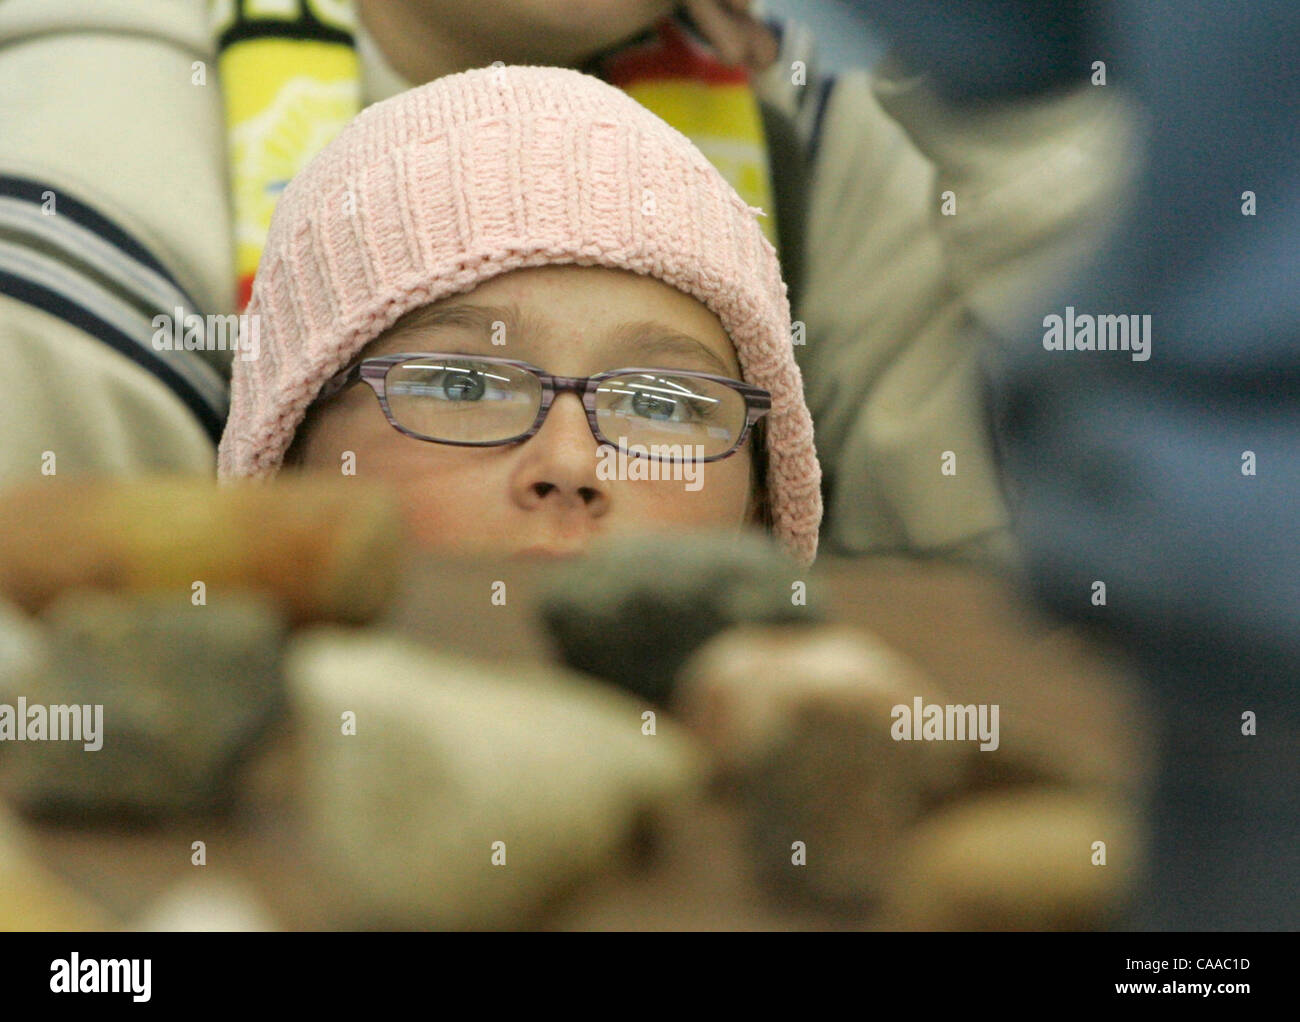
(184, 691)
(451, 755)
(33, 898)
(1017, 860)
(633, 610)
(322, 549)
(206, 905)
(24, 652)
(798, 721)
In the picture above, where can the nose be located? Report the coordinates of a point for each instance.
(557, 467)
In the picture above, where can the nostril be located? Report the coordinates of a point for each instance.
(588, 494)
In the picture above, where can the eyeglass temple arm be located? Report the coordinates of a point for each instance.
(758, 402)
(341, 380)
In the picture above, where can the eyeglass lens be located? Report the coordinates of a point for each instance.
(466, 401)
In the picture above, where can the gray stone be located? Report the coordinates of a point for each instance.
(634, 610)
(184, 690)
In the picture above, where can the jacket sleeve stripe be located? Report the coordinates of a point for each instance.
(79, 266)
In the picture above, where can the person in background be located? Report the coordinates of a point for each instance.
(1155, 489)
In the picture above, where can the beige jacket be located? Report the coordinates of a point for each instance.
(98, 107)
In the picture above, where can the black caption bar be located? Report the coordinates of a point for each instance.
(336, 971)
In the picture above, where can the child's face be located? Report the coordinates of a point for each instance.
(545, 492)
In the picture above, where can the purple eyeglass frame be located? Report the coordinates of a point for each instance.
(374, 371)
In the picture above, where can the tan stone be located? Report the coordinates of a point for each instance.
(33, 898)
(24, 651)
(451, 755)
(1017, 860)
(798, 720)
(324, 549)
(202, 904)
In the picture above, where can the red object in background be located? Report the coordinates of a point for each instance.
(674, 54)
(245, 285)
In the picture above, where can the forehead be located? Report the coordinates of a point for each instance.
(574, 310)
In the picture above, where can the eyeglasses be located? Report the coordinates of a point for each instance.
(483, 401)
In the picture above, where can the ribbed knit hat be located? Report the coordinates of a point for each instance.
(439, 189)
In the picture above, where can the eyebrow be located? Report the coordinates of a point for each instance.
(644, 337)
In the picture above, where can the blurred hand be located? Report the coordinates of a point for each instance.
(737, 35)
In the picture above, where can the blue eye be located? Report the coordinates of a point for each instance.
(666, 399)
(458, 385)
(677, 408)
(452, 384)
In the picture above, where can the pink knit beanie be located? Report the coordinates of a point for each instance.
(435, 191)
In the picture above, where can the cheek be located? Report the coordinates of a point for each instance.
(448, 497)
(442, 492)
(440, 511)
(713, 494)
